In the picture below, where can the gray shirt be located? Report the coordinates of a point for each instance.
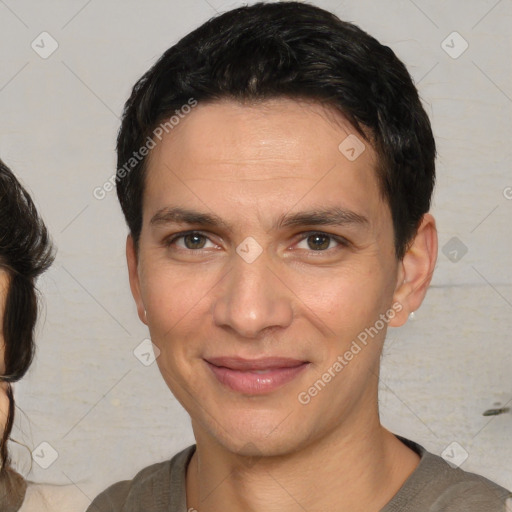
(434, 486)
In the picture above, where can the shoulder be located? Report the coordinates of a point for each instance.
(446, 488)
(463, 490)
(12, 489)
(53, 498)
(141, 489)
(152, 489)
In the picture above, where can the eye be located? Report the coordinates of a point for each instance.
(192, 240)
(321, 242)
(197, 241)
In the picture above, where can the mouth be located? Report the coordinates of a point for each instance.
(255, 376)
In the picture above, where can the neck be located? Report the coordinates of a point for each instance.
(357, 471)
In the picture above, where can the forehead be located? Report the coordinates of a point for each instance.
(297, 129)
(274, 150)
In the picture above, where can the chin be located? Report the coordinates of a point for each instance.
(267, 441)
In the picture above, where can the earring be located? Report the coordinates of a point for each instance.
(145, 315)
(412, 316)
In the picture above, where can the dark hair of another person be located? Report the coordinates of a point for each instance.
(26, 251)
(298, 51)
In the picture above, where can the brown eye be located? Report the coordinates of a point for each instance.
(318, 241)
(194, 241)
(191, 240)
(321, 242)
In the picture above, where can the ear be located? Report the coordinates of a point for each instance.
(133, 275)
(416, 269)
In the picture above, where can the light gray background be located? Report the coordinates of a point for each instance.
(105, 413)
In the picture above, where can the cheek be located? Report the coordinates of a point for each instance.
(176, 302)
(344, 300)
(4, 406)
(169, 295)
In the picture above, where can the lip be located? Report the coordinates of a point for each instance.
(263, 363)
(240, 374)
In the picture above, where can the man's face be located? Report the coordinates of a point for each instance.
(307, 296)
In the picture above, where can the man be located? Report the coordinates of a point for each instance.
(275, 168)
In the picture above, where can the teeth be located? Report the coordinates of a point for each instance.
(260, 371)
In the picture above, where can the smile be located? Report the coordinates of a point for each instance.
(249, 377)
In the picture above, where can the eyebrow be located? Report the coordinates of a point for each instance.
(318, 217)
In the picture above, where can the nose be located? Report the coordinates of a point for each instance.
(252, 298)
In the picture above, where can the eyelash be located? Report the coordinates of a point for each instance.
(341, 241)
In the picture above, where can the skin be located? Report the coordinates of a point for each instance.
(4, 401)
(251, 164)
